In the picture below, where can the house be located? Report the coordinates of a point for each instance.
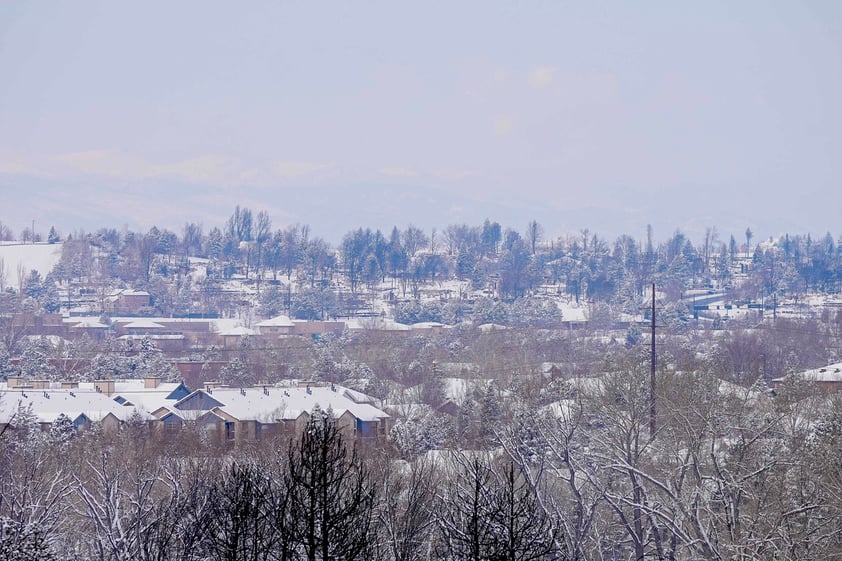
(826, 379)
(91, 327)
(241, 415)
(380, 326)
(127, 302)
(139, 326)
(278, 326)
(165, 338)
(233, 337)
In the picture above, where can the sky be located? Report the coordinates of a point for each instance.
(590, 114)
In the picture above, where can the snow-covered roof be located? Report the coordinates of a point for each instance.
(572, 312)
(376, 324)
(152, 336)
(47, 405)
(358, 397)
(129, 292)
(277, 321)
(457, 389)
(54, 340)
(144, 401)
(561, 409)
(830, 373)
(286, 403)
(136, 385)
(143, 323)
(730, 389)
(87, 323)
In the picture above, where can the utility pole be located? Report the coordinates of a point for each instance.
(652, 386)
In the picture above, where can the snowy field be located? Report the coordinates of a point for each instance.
(40, 256)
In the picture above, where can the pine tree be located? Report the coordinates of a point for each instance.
(53, 236)
(434, 391)
(62, 430)
(491, 414)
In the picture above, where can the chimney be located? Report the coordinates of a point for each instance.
(104, 386)
(151, 382)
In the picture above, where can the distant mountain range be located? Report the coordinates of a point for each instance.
(332, 211)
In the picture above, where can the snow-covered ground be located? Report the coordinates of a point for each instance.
(13, 256)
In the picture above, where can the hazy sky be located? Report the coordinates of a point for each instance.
(606, 115)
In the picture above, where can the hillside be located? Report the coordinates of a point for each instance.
(15, 256)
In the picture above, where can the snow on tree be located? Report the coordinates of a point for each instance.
(23, 542)
(422, 431)
(145, 360)
(53, 237)
(313, 304)
(117, 504)
(105, 366)
(34, 483)
(5, 359)
(34, 360)
(62, 429)
(27, 428)
(237, 373)
(491, 413)
(330, 363)
(272, 302)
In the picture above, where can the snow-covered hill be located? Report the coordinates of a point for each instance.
(14, 256)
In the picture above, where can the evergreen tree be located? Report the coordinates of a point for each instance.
(53, 236)
(215, 244)
(434, 391)
(491, 414)
(271, 302)
(34, 360)
(62, 430)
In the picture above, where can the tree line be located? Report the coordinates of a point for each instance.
(507, 263)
